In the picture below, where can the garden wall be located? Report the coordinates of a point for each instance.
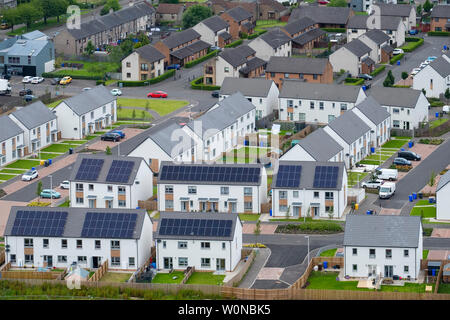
(238, 277)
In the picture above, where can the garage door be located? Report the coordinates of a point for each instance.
(29, 71)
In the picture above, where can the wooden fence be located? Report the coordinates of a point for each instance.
(100, 272)
(50, 275)
(2, 256)
(300, 283)
(148, 204)
(425, 130)
(142, 269)
(238, 277)
(188, 275)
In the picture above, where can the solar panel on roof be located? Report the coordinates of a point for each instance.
(326, 177)
(288, 176)
(194, 227)
(120, 171)
(39, 223)
(89, 169)
(109, 225)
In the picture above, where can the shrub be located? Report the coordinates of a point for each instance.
(234, 44)
(68, 73)
(377, 71)
(311, 227)
(337, 30)
(243, 35)
(427, 231)
(439, 33)
(197, 84)
(431, 141)
(142, 83)
(201, 59)
(413, 43)
(99, 82)
(38, 204)
(353, 81)
(256, 35)
(396, 58)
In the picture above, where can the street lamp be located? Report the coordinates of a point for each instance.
(51, 190)
(307, 237)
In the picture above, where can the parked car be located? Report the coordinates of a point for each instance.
(174, 66)
(25, 92)
(413, 31)
(365, 76)
(431, 58)
(36, 80)
(7, 76)
(65, 184)
(120, 133)
(216, 48)
(55, 81)
(397, 51)
(30, 175)
(86, 89)
(215, 93)
(116, 92)
(415, 71)
(157, 94)
(445, 109)
(29, 97)
(65, 80)
(409, 155)
(110, 136)
(374, 184)
(27, 79)
(48, 193)
(423, 65)
(402, 162)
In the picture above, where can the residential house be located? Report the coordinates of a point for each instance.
(308, 41)
(316, 146)
(105, 30)
(382, 246)
(407, 12)
(35, 35)
(211, 242)
(222, 127)
(316, 102)
(143, 63)
(408, 107)
(377, 118)
(434, 78)
(86, 113)
(309, 188)
(312, 70)
(214, 31)
(233, 62)
(353, 57)
(297, 27)
(440, 18)
(39, 126)
(5, 4)
(442, 198)
(88, 237)
(240, 21)
(260, 9)
(205, 187)
(361, 5)
(326, 17)
(169, 12)
(274, 43)
(12, 141)
(190, 53)
(378, 42)
(353, 134)
(220, 6)
(262, 93)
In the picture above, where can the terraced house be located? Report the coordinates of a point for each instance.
(305, 34)
(144, 63)
(11, 141)
(353, 57)
(440, 18)
(274, 43)
(105, 30)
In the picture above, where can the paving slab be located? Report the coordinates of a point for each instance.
(5, 207)
(438, 254)
(265, 228)
(129, 133)
(440, 233)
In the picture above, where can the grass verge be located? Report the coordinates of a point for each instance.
(168, 277)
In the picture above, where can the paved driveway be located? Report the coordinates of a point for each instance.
(265, 228)
(129, 134)
(5, 207)
(440, 233)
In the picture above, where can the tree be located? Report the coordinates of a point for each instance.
(29, 13)
(60, 8)
(432, 178)
(447, 94)
(337, 3)
(133, 114)
(12, 17)
(48, 8)
(194, 15)
(143, 114)
(331, 212)
(288, 211)
(89, 50)
(147, 106)
(419, 10)
(257, 231)
(390, 80)
(110, 4)
(405, 75)
(427, 6)
(108, 151)
(39, 190)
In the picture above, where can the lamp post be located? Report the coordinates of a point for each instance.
(307, 237)
(51, 190)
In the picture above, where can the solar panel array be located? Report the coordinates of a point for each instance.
(120, 171)
(326, 177)
(210, 174)
(109, 225)
(195, 227)
(39, 223)
(288, 176)
(89, 169)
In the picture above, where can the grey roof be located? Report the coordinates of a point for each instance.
(319, 145)
(441, 65)
(357, 47)
(249, 87)
(8, 128)
(386, 23)
(225, 35)
(215, 23)
(33, 35)
(376, 36)
(298, 25)
(441, 11)
(237, 56)
(357, 22)
(227, 112)
(399, 10)
(395, 97)
(150, 53)
(198, 216)
(252, 64)
(89, 100)
(209, 182)
(239, 14)
(373, 110)
(308, 36)
(320, 14)
(297, 65)
(382, 231)
(274, 38)
(179, 38)
(191, 49)
(24, 47)
(387, 48)
(34, 115)
(75, 219)
(368, 60)
(108, 159)
(307, 174)
(319, 91)
(163, 138)
(349, 127)
(443, 181)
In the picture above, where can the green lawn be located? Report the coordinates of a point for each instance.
(249, 217)
(238, 160)
(18, 171)
(116, 277)
(94, 69)
(59, 147)
(74, 141)
(205, 278)
(394, 144)
(65, 204)
(378, 157)
(161, 106)
(128, 114)
(438, 122)
(408, 287)
(156, 216)
(167, 277)
(269, 180)
(46, 155)
(328, 253)
(361, 13)
(54, 103)
(24, 164)
(265, 24)
(373, 162)
(5, 177)
(425, 254)
(428, 212)
(353, 177)
(444, 288)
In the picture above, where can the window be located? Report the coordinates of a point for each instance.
(354, 251)
(343, 106)
(406, 253)
(169, 189)
(182, 261)
(79, 200)
(91, 187)
(131, 261)
(169, 204)
(206, 262)
(82, 259)
(372, 253)
(406, 269)
(128, 64)
(315, 76)
(97, 244)
(286, 75)
(12, 258)
(316, 194)
(63, 243)
(300, 75)
(224, 190)
(45, 243)
(115, 261)
(110, 188)
(321, 105)
(205, 245)
(128, 75)
(62, 259)
(395, 110)
(355, 267)
(282, 208)
(388, 253)
(79, 244)
(92, 115)
(79, 187)
(302, 116)
(122, 203)
(295, 194)
(247, 191)
(311, 105)
(223, 245)
(192, 190)
(164, 244)
(226, 69)
(115, 244)
(282, 194)
(121, 190)
(144, 67)
(29, 258)
(272, 74)
(28, 243)
(182, 244)
(248, 205)
(329, 195)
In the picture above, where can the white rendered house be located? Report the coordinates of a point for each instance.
(382, 246)
(274, 43)
(81, 236)
(434, 78)
(102, 181)
(229, 188)
(11, 141)
(353, 57)
(210, 28)
(442, 198)
(206, 241)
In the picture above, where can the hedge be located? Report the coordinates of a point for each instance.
(413, 44)
(439, 33)
(234, 44)
(197, 84)
(201, 59)
(377, 71)
(310, 227)
(58, 75)
(353, 81)
(142, 83)
(99, 82)
(256, 35)
(337, 30)
(396, 58)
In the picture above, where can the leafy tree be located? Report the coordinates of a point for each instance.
(108, 151)
(110, 4)
(427, 6)
(390, 80)
(29, 13)
(12, 17)
(447, 94)
(143, 114)
(331, 212)
(39, 190)
(419, 10)
(194, 15)
(47, 7)
(61, 8)
(169, 1)
(288, 212)
(89, 49)
(337, 3)
(405, 75)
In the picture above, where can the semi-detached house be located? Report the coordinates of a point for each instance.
(274, 43)
(86, 113)
(406, 12)
(214, 30)
(353, 57)
(58, 237)
(143, 63)
(212, 187)
(11, 141)
(99, 181)
(434, 78)
(378, 42)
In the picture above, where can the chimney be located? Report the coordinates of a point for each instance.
(131, 3)
(111, 10)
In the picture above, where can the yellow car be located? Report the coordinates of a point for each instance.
(65, 80)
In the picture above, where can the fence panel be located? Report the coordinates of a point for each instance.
(100, 272)
(238, 277)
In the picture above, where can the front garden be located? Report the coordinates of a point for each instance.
(425, 209)
(162, 106)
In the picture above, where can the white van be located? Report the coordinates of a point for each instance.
(387, 190)
(387, 174)
(445, 109)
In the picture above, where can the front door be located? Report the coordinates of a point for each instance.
(233, 207)
(168, 264)
(91, 203)
(296, 211)
(49, 261)
(108, 204)
(388, 271)
(406, 125)
(372, 270)
(184, 206)
(96, 261)
(202, 206)
(214, 206)
(220, 264)
(315, 211)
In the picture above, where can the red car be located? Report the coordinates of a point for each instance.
(324, 2)
(157, 94)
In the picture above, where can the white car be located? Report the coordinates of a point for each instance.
(86, 89)
(37, 80)
(374, 184)
(423, 65)
(116, 92)
(29, 175)
(65, 184)
(397, 51)
(415, 71)
(27, 79)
